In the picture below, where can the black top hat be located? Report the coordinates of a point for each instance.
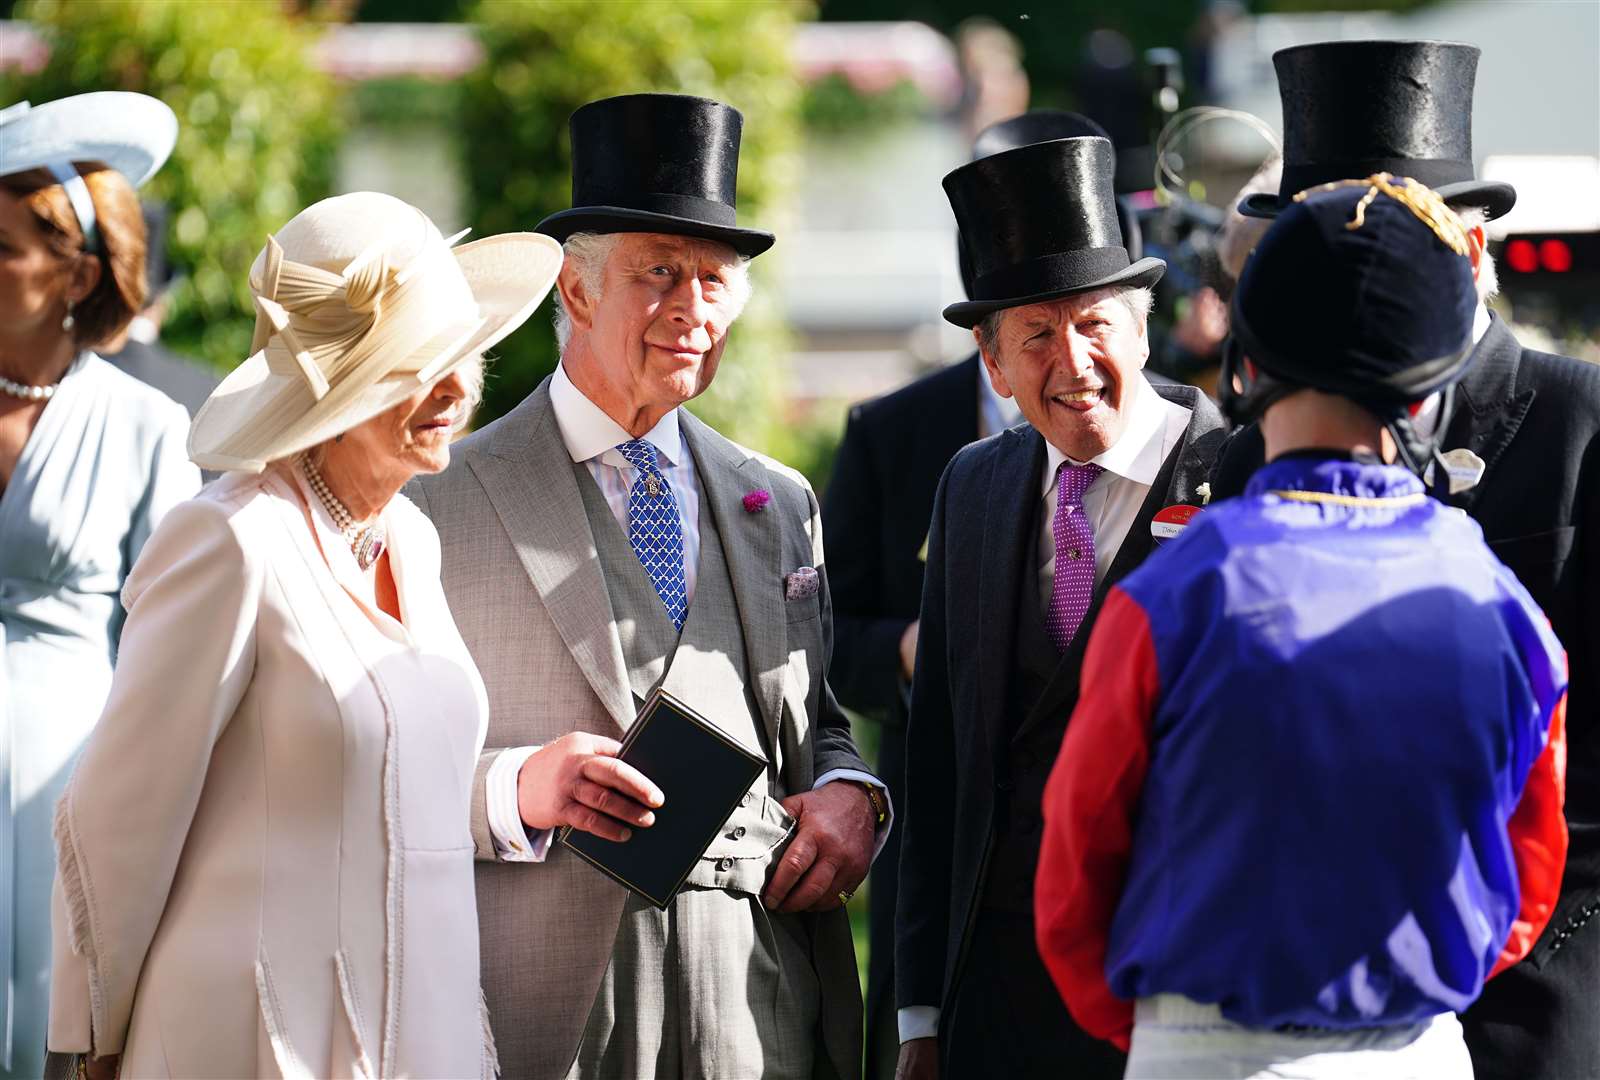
(1033, 126)
(1355, 108)
(664, 163)
(1380, 313)
(1040, 223)
(1036, 125)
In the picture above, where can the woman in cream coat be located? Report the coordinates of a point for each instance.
(265, 867)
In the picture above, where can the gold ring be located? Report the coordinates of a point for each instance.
(844, 897)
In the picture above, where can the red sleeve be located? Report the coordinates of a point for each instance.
(1089, 806)
(1538, 834)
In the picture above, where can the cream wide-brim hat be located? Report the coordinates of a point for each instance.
(375, 261)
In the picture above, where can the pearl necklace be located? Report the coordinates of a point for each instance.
(26, 392)
(366, 541)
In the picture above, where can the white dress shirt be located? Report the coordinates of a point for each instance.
(591, 437)
(1155, 426)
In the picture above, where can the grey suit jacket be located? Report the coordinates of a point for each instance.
(523, 580)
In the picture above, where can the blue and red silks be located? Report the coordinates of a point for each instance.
(1315, 772)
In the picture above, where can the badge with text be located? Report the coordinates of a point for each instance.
(1463, 468)
(1172, 520)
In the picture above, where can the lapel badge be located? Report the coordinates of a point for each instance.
(1464, 468)
(801, 584)
(1172, 520)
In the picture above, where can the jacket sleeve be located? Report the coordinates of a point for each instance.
(1090, 804)
(922, 916)
(833, 747)
(173, 478)
(187, 656)
(866, 667)
(1538, 833)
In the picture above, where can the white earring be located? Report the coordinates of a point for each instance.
(67, 321)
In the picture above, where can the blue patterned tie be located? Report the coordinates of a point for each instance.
(654, 529)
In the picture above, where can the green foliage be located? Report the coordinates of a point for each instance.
(256, 138)
(547, 57)
(832, 105)
(403, 102)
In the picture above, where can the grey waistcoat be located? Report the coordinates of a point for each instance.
(706, 667)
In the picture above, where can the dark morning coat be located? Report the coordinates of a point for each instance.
(875, 514)
(964, 723)
(1534, 418)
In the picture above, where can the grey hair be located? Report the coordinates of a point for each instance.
(1488, 283)
(587, 252)
(1138, 299)
(471, 372)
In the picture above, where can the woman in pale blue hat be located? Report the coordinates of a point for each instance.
(90, 460)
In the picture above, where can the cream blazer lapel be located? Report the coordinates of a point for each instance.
(753, 544)
(526, 473)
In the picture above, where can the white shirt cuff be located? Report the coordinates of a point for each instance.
(512, 841)
(919, 1022)
(865, 778)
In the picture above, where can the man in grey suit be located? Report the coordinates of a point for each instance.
(598, 541)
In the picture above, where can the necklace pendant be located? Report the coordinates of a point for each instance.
(652, 486)
(368, 548)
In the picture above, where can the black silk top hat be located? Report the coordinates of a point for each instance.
(666, 163)
(1033, 126)
(1362, 290)
(1042, 125)
(1040, 223)
(1355, 108)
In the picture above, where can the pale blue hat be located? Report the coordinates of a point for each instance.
(131, 133)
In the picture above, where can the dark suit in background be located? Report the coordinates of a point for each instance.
(875, 513)
(990, 704)
(1534, 419)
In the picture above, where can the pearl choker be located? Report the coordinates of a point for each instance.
(26, 392)
(366, 541)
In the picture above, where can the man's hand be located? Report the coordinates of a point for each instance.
(578, 781)
(908, 651)
(830, 852)
(919, 1060)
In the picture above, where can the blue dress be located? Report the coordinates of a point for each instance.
(104, 462)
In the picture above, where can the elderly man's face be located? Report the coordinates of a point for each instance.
(655, 335)
(1073, 367)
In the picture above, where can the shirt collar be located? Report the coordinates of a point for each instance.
(1480, 323)
(1137, 455)
(588, 432)
(999, 413)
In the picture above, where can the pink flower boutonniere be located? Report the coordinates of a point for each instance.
(757, 500)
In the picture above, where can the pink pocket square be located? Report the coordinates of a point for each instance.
(802, 583)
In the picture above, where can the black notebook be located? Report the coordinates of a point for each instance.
(701, 771)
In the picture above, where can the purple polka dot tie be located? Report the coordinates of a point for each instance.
(1073, 587)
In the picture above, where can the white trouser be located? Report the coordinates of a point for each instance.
(1178, 1039)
